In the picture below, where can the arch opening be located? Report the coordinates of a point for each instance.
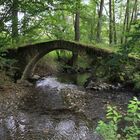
(30, 67)
(54, 63)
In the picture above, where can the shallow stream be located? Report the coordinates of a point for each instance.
(44, 117)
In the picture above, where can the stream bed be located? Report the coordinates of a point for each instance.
(45, 114)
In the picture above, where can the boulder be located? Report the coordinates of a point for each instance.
(36, 77)
(100, 85)
(25, 83)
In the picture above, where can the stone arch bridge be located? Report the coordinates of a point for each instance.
(28, 56)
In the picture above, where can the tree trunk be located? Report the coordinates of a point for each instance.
(24, 23)
(123, 29)
(114, 24)
(15, 20)
(110, 22)
(136, 9)
(76, 31)
(93, 24)
(91, 30)
(99, 24)
(133, 17)
(127, 19)
(127, 15)
(126, 23)
(77, 26)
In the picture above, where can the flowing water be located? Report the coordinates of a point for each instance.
(45, 117)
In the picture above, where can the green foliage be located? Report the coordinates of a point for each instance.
(115, 68)
(121, 67)
(6, 65)
(113, 114)
(131, 131)
(136, 81)
(136, 40)
(109, 130)
(133, 43)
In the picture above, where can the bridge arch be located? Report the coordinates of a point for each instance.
(30, 67)
(29, 55)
